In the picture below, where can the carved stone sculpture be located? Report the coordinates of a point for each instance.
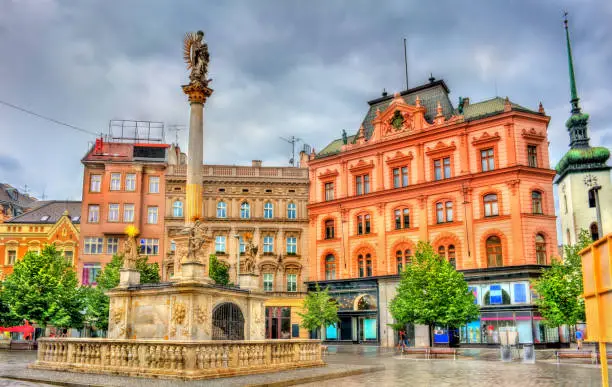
(130, 249)
(195, 53)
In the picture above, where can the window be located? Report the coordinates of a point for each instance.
(452, 257)
(153, 184)
(12, 257)
(245, 210)
(278, 322)
(268, 210)
(221, 210)
(90, 273)
(268, 281)
(268, 244)
(365, 265)
(536, 202)
(149, 246)
(330, 267)
(594, 231)
(540, 246)
(532, 155)
(494, 252)
(292, 282)
(177, 209)
(403, 258)
(487, 161)
(329, 191)
(400, 177)
(592, 201)
(442, 168)
(113, 212)
(362, 184)
(115, 182)
(69, 255)
(130, 182)
(490, 205)
(291, 245)
(402, 218)
(442, 252)
(93, 245)
(128, 212)
(93, 213)
(95, 182)
(329, 229)
(220, 244)
(241, 245)
(291, 211)
(444, 212)
(152, 215)
(172, 246)
(363, 224)
(112, 245)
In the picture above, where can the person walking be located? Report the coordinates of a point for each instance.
(402, 340)
(579, 338)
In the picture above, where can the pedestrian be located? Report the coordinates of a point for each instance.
(402, 340)
(579, 337)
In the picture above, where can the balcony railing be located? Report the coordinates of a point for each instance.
(238, 171)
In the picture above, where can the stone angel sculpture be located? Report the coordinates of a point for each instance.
(195, 53)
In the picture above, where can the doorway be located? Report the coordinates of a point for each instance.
(367, 328)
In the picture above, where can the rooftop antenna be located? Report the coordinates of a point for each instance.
(291, 141)
(406, 62)
(25, 189)
(176, 129)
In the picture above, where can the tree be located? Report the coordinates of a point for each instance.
(218, 271)
(320, 310)
(560, 287)
(43, 289)
(97, 302)
(7, 318)
(432, 292)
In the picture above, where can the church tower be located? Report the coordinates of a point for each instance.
(583, 178)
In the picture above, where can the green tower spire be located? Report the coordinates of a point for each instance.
(577, 123)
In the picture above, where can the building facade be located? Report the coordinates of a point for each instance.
(474, 181)
(267, 205)
(54, 222)
(14, 203)
(123, 184)
(583, 177)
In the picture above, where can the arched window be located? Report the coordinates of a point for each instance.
(177, 209)
(490, 205)
(494, 252)
(536, 202)
(594, 231)
(540, 247)
(363, 224)
(442, 252)
(444, 212)
(403, 259)
(449, 211)
(268, 211)
(291, 211)
(221, 210)
(329, 229)
(408, 256)
(330, 267)
(245, 210)
(452, 258)
(402, 218)
(365, 265)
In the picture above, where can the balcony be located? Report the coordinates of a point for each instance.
(243, 171)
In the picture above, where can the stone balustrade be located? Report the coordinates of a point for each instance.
(176, 359)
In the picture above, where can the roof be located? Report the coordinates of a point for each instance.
(490, 107)
(11, 195)
(54, 209)
(582, 159)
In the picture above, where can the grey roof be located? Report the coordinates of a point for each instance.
(11, 195)
(54, 209)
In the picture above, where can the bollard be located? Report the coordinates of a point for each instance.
(528, 354)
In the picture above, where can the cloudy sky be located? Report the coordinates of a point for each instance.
(280, 68)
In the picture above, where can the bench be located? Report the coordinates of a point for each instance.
(413, 350)
(575, 355)
(443, 351)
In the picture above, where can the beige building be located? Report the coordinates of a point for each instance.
(267, 204)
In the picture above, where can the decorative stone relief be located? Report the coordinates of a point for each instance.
(117, 315)
(178, 313)
(201, 314)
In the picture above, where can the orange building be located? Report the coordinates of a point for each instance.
(123, 184)
(54, 222)
(475, 181)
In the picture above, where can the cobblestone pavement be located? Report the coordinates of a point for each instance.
(470, 370)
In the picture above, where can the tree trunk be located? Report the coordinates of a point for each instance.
(431, 335)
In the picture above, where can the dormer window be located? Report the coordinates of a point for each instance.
(44, 218)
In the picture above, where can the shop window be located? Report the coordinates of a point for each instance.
(496, 296)
(402, 218)
(540, 248)
(494, 252)
(364, 263)
(491, 207)
(278, 322)
(520, 293)
(329, 229)
(536, 202)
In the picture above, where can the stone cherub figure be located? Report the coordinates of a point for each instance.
(195, 53)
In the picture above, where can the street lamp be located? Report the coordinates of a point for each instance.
(591, 182)
(237, 236)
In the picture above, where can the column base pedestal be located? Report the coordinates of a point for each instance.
(194, 272)
(128, 277)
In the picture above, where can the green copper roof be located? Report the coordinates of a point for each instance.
(583, 159)
(334, 147)
(490, 107)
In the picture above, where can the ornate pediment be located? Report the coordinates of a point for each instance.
(533, 134)
(398, 118)
(328, 174)
(399, 158)
(485, 138)
(361, 165)
(441, 148)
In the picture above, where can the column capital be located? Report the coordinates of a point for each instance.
(197, 93)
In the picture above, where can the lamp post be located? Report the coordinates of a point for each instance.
(237, 236)
(591, 182)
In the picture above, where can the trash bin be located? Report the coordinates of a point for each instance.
(506, 353)
(528, 353)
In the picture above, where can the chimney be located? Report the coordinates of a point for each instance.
(256, 163)
(466, 101)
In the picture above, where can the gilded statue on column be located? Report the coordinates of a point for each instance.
(130, 248)
(195, 53)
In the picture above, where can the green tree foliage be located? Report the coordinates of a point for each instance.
(218, 271)
(432, 292)
(97, 302)
(43, 289)
(320, 310)
(560, 287)
(7, 318)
